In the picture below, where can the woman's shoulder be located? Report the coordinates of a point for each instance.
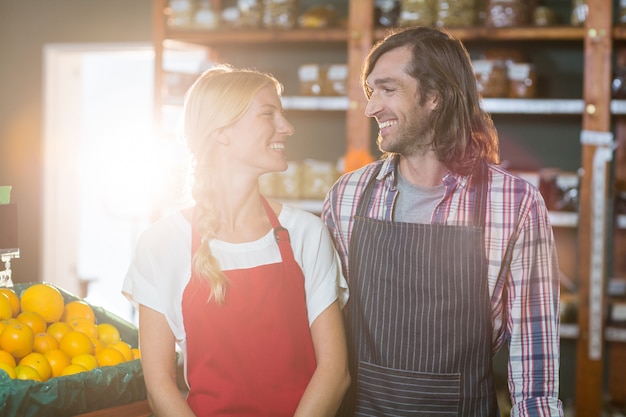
(298, 217)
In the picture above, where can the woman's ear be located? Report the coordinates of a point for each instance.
(222, 135)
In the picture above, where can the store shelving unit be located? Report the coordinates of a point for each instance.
(600, 116)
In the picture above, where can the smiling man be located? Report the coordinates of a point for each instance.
(448, 256)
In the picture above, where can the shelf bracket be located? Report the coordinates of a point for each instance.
(605, 145)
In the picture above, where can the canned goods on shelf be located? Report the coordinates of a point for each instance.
(418, 13)
(280, 14)
(456, 13)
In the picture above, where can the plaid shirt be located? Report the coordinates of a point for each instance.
(521, 256)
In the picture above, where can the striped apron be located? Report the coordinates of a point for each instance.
(419, 320)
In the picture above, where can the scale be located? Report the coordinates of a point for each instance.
(8, 241)
(603, 155)
(5, 256)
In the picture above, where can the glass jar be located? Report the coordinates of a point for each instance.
(522, 80)
(491, 78)
(180, 14)
(311, 77)
(621, 12)
(335, 81)
(204, 16)
(386, 12)
(418, 13)
(456, 13)
(509, 13)
(250, 13)
(280, 14)
(579, 12)
(481, 11)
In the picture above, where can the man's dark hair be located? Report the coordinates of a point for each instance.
(464, 134)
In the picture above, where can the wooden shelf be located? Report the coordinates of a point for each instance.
(569, 331)
(619, 33)
(618, 107)
(563, 219)
(242, 36)
(491, 105)
(615, 334)
(611, 334)
(315, 103)
(554, 33)
(533, 106)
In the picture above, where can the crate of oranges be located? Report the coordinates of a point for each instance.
(61, 356)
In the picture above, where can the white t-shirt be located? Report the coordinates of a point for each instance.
(161, 267)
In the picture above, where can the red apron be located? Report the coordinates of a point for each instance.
(252, 355)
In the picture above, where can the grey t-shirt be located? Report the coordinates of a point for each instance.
(416, 204)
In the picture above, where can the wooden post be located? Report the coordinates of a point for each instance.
(360, 40)
(596, 118)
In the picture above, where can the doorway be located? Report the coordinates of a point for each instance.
(101, 166)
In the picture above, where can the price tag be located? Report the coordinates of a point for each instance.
(603, 155)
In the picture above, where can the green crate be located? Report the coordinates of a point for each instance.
(100, 388)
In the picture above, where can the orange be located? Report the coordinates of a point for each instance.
(14, 299)
(109, 357)
(58, 361)
(3, 323)
(26, 372)
(6, 357)
(75, 343)
(6, 311)
(44, 342)
(58, 329)
(136, 353)
(72, 369)
(87, 360)
(33, 320)
(97, 345)
(85, 326)
(10, 370)
(17, 339)
(124, 348)
(39, 363)
(78, 309)
(43, 299)
(108, 333)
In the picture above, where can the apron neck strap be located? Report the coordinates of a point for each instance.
(280, 233)
(480, 185)
(364, 203)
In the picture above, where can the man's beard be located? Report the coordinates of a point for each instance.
(416, 138)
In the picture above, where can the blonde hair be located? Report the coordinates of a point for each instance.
(217, 99)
